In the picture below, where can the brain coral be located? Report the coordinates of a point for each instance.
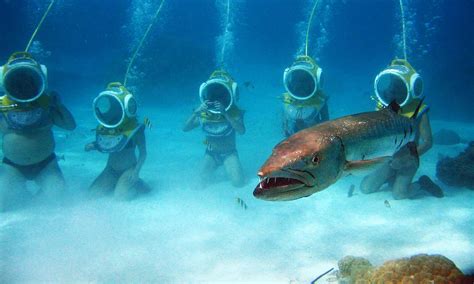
(420, 269)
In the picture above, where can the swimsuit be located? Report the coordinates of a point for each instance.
(220, 157)
(31, 172)
(115, 142)
(300, 118)
(216, 130)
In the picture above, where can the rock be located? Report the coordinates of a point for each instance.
(446, 137)
(458, 171)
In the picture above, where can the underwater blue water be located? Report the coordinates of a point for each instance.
(182, 233)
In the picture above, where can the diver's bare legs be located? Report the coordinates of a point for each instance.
(234, 170)
(12, 186)
(374, 181)
(126, 188)
(207, 168)
(51, 182)
(403, 187)
(104, 183)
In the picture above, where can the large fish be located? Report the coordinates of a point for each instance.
(315, 158)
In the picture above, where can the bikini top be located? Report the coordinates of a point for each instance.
(26, 116)
(112, 140)
(216, 125)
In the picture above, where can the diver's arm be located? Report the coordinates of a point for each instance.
(61, 116)
(426, 135)
(90, 146)
(237, 123)
(193, 120)
(142, 152)
(324, 113)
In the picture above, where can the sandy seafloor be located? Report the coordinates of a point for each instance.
(183, 233)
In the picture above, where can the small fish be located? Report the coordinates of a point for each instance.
(241, 203)
(61, 157)
(351, 191)
(387, 204)
(249, 85)
(148, 123)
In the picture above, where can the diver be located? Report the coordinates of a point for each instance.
(28, 113)
(119, 134)
(400, 83)
(304, 103)
(220, 118)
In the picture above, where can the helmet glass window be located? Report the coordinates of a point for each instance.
(132, 106)
(391, 88)
(23, 83)
(217, 93)
(108, 110)
(418, 87)
(300, 83)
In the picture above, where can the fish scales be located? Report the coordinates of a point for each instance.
(370, 135)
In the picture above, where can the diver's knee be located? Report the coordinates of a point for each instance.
(125, 192)
(54, 188)
(366, 186)
(142, 187)
(124, 195)
(400, 195)
(400, 192)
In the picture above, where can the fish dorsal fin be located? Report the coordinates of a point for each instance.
(418, 107)
(362, 167)
(394, 106)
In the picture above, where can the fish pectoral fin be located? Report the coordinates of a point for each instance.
(363, 167)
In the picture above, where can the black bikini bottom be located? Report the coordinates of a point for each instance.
(219, 157)
(30, 172)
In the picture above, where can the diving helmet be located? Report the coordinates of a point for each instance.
(114, 105)
(219, 88)
(399, 82)
(303, 79)
(22, 78)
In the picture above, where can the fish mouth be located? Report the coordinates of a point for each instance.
(279, 188)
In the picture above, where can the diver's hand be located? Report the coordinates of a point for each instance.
(219, 107)
(133, 176)
(54, 99)
(89, 147)
(202, 107)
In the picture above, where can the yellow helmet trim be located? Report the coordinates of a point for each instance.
(402, 69)
(301, 63)
(317, 101)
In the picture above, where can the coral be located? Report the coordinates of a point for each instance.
(420, 268)
(352, 267)
(446, 137)
(458, 171)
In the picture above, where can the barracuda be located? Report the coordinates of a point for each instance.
(313, 159)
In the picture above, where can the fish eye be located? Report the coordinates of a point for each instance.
(315, 159)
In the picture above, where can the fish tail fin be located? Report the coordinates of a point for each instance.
(417, 110)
